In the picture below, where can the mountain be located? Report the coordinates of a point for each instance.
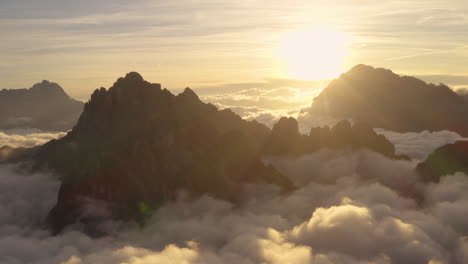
(135, 146)
(445, 160)
(44, 106)
(386, 100)
(285, 139)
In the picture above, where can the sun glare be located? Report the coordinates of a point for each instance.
(313, 54)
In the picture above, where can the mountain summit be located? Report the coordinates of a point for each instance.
(48, 88)
(136, 146)
(386, 100)
(44, 106)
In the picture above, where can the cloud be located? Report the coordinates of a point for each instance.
(365, 221)
(355, 231)
(265, 101)
(47, 9)
(307, 120)
(25, 198)
(265, 116)
(27, 137)
(272, 94)
(449, 201)
(187, 42)
(262, 86)
(419, 145)
(350, 207)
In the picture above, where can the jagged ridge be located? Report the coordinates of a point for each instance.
(136, 145)
(386, 100)
(45, 106)
(139, 144)
(285, 139)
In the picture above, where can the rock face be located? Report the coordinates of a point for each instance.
(286, 140)
(136, 145)
(386, 100)
(445, 160)
(45, 106)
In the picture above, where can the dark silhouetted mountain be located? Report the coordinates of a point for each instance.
(45, 106)
(386, 100)
(286, 140)
(135, 146)
(445, 160)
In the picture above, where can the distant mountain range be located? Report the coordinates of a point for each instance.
(44, 106)
(383, 99)
(136, 146)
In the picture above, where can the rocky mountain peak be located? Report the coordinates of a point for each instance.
(47, 88)
(189, 94)
(286, 128)
(134, 76)
(387, 100)
(44, 106)
(366, 71)
(137, 144)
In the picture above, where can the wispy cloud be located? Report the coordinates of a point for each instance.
(420, 54)
(185, 42)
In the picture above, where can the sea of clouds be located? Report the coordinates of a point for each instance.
(349, 207)
(265, 101)
(27, 137)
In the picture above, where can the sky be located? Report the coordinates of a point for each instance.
(83, 45)
(264, 60)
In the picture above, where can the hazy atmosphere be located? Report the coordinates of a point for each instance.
(206, 132)
(87, 44)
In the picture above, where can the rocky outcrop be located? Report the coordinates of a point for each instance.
(137, 145)
(383, 99)
(443, 161)
(286, 140)
(45, 106)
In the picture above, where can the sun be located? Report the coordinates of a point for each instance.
(315, 53)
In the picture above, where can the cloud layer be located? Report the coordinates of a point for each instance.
(420, 145)
(27, 137)
(416, 145)
(265, 101)
(351, 207)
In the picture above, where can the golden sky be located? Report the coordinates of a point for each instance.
(84, 45)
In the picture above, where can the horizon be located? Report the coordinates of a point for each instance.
(313, 132)
(454, 82)
(204, 44)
